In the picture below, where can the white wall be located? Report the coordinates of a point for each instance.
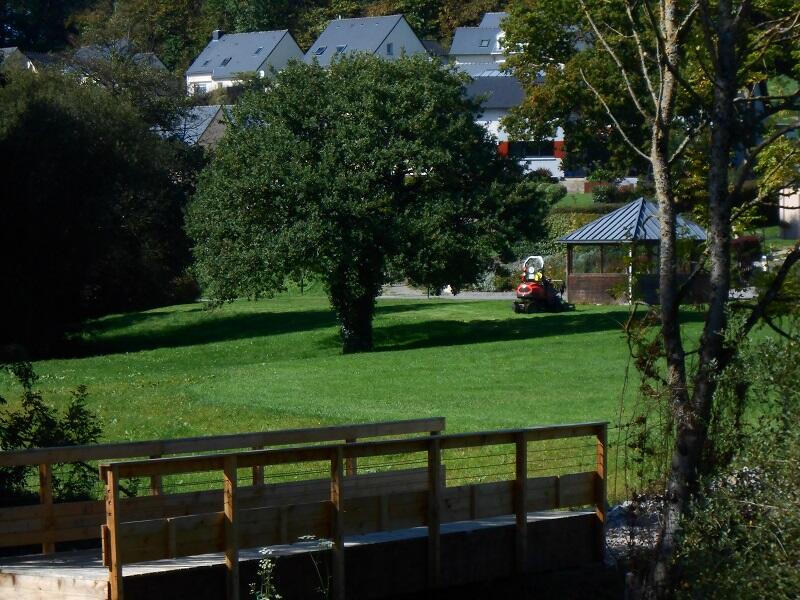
(789, 213)
(403, 39)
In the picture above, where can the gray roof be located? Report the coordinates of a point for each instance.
(492, 19)
(363, 34)
(497, 91)
(636, 221)
(476, 40)
(194, 124)
(239, 51)
(122, 47)
(434, 48)
(5, 52)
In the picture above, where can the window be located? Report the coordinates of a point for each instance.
(259, 49)
(530, 149)
(225, 61)
(389, 49)
(205, 64)
(320, 51)
(340, 49)
(485, 43)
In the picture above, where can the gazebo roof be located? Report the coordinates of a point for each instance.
(634, 222)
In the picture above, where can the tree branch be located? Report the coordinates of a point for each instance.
(760, 309)
(754, 152)
(642, 56)
(614, 119)
(619, 64)
(689, 137)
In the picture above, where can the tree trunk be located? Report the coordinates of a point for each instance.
(356, 320)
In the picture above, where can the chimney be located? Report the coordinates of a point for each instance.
(216, 34)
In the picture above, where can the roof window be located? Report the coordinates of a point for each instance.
(259, 49)
(205, 64)
(225, 61)
(340, 49)
(484, 43)
(320, 51)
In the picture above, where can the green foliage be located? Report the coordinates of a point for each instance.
(36, 424)
(381, 173)
(93, 207)
(741, 537)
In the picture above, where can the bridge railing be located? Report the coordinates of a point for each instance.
(49, 522)
(386, 499)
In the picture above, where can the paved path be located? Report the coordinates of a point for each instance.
(404, 291)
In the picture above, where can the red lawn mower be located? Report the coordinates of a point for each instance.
(537, 293)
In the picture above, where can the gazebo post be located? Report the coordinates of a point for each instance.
(630, 273)
(569, 269)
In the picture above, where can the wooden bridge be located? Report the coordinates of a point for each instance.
(332, 483)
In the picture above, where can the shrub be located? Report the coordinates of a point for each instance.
(35, 424)
(604, 193)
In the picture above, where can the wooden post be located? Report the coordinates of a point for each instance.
(337, 525)
(520, 503)
(258, 471)
(601, 487)
(231, 528)
(351, 463)
(156, 482)
(114, 560)
(434, 512)
(46, 500)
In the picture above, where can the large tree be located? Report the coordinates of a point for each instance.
(360, 174)
(92, 207)
(687, 90)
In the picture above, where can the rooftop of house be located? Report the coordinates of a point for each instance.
(476, 41)
(636, 221)
(363, 34)
(122, 47)
(496, 90)
(492, 19)
(230, 53)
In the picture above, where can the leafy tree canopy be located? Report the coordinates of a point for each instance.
(361, 174)
(92, 207)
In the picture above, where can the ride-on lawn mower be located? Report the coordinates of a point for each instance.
(537, 293)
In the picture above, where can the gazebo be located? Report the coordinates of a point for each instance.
(614, 259)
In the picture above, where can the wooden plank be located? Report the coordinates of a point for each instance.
(600, 491)
(337, 525)
(231, 532)
(351, 466)
(521, 503)
(156, 482)
(434, 512)
(577, 489)
(46, 502)
(542, 493)
(67, 454)
(112, 522)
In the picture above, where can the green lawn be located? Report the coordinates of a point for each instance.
(270, 364)
(576, 199)
(276, 363)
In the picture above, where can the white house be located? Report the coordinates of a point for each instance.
(789, 213)
(388, 37)
(478, 52)
(481, 44)
(229, 55)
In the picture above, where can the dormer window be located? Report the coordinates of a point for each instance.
(259, 49)
(225, 61)
(320, 51)
(340, 49)
(485, 43)
(390, 49)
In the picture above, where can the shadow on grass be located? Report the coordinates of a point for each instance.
(207, 328)
(431, 334)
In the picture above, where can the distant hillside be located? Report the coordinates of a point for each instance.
(177, 30)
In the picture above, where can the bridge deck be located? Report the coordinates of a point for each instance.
(564, 539)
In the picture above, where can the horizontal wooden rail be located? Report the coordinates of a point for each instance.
(49, 522)
(294, 454)
(283, 437)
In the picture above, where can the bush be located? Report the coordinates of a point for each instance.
(604, 193)
(35, 424)
(740, 540)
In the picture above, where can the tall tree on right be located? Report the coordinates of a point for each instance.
(684, 90)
